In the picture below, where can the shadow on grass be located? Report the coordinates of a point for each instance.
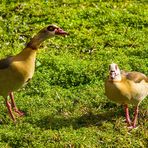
(86, 120)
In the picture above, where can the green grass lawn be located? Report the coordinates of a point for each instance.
(64, 103)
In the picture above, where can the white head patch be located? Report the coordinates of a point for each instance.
(114, 71)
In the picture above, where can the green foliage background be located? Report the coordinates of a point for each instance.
(64, 103)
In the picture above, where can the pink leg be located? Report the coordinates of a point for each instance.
(9, 107)
(135, 117)
(14, 105)
(127, 115)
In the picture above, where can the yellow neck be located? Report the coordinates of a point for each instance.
(26, 54)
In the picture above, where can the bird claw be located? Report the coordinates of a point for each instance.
(132, 127)
(20, 113)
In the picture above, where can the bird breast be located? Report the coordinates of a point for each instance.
(118, 92)
(23, 70)
(15, 76)
(126, 92)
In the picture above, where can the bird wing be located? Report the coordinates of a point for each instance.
(137, 77)
(5, 63)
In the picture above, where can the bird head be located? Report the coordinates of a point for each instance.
(114, 72)
(53, 30)
(45, 33)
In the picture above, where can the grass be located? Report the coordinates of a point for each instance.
(64, 103)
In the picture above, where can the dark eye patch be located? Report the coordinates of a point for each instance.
(116, 67)
(50, 28)
(109, 67)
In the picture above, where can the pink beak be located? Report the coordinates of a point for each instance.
(59, 31)
(112, 74)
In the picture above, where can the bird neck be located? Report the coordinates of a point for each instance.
(38, 39)
(118, 78)
(26, 54)
(29, 52)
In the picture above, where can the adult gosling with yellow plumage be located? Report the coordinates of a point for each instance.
(126, 88)
(17, 70)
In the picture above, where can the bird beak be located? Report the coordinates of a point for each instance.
(60, 31)
(112, 74)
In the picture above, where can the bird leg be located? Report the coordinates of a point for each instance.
(9, 107)
(135, 117)
(20, 113)
(127, 115)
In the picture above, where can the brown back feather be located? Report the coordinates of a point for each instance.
(5, 63)
(137, 77)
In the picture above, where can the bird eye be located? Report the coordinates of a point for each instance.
(109, 67)
(50, 28)
(116, 67)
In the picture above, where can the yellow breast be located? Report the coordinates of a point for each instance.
(17, 74)
(126, 91)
